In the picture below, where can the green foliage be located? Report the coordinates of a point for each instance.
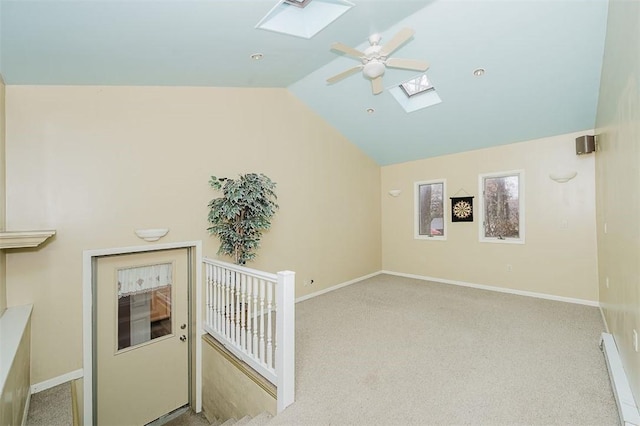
(239, 217)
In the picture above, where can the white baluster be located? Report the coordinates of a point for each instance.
(227, 300)
(262, 344)
(216, 296)
(243, 312)
(207, 296)
(249, 333)
(254, 350)
(269, 324)
(237, 317)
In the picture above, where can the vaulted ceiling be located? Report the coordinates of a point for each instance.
(542, 60)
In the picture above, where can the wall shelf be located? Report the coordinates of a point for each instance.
(23, 239)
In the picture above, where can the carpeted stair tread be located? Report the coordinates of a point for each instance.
(230, 422)
(243, 421)
(260, 420)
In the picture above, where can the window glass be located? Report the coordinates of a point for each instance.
(430, 220)
(144, 304)
(502, 205)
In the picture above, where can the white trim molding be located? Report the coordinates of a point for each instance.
(336, 287)
(64, 378)
(497, 289)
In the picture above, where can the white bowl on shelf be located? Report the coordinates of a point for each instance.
(152, 234)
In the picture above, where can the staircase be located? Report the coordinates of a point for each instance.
(259, 420)
(192, 419)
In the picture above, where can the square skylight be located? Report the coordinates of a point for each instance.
(304, 21)
(417, 85)
(415, 94)
(299, 3)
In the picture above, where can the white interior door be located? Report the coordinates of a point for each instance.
(142, 336)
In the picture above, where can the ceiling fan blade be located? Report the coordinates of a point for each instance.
(376, 85)
(341, 47)
(398, 40)
(407, 64)
(344, 74)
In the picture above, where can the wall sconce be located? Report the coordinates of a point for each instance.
(152, 234)
(395, 192)
(563, 177)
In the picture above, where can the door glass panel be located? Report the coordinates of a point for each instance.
(144, 304)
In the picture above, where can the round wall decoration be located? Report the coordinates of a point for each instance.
(462, 209)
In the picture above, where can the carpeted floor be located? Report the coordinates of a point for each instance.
(398, 351)
(51, 407)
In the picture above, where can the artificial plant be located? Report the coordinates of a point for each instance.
(240, 216)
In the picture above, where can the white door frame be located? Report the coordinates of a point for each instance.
(87, 311)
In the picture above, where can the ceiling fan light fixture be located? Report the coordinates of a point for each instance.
(479, 72)
(257, 56)
(373, 69)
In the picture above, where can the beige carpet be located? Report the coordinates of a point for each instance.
(51, 407)
(397, 351)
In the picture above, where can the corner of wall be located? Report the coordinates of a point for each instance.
(3, 287)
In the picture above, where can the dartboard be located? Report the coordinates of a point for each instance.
(462, 209)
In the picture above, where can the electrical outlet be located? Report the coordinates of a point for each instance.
(606, 282)
(605, 227)
(635, 340)
(509, 268)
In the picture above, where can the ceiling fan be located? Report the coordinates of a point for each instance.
(375, 59)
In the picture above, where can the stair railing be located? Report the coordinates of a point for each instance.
(252, 313)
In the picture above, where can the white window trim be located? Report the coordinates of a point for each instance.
(416, 211)
(521, 192)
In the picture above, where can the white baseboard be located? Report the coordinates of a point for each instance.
(26, 410)
(335, 287)
(48, 384)
(498, 289)
(627, 409)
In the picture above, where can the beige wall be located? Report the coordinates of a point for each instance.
(96, 163)
(3, 290)
(554, 261)
(618, 182)
(227, 391)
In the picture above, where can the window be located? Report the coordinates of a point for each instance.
(429, 210)
(502, 207)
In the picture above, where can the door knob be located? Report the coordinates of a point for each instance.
(183, 338)
(183, 326)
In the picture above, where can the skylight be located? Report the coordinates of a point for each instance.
(299, 3)
(415, 94)
(303, 18)
(416, 86)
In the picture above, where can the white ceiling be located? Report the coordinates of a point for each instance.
(542, 61)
